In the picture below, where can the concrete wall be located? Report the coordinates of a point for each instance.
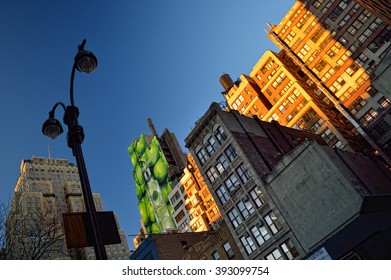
(315, 192)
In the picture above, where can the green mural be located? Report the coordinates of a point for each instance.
(152, 184)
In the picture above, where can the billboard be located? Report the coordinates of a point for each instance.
(152, 184)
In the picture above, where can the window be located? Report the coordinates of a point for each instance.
(361, 59)
(318, 34)
(267, 66)
(257, 197)
(201, 154)
(368, 117)
(328, 136)
(347, 94)
(384, 102)
(210, 144)
(175, 197)
(275, 255)
(274, 117)
(260, 233)
(212, 174)
(306, 48)
(357, 105)
(289, 250)
(352, 69)
(222, 164)
(338, 84)
(248, 243)
(245, 207)
(180, 215)
(273, 223)
(338, 10)
(237, 102)
(380, 40)
(232, 183)
(215, 255)
(176, 207)
(228, 250)
(290, 37)
(243, 173)
(317, 3)
(222, 194)
(317, 125)
(231, 153)
(279, 80)
(219, 133)
(234, 217)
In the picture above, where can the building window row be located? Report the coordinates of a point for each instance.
(286, 250)
(210, 144)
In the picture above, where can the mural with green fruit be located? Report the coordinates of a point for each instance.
(152, 184)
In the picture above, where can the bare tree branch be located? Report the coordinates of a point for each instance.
(31, 234)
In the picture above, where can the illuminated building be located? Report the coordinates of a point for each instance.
(45, 189)
(330, 76)
(194, 208)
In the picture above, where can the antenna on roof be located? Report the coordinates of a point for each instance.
(49, 150)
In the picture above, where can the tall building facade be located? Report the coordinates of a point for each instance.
(194, 208)
(235, 154)
(329, 77)
(45, 189)
(381, 8)
(158, 163)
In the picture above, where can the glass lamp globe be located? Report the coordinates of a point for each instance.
(52, 128)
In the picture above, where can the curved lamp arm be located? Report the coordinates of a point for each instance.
(85, 61)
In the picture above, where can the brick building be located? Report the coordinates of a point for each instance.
(235, 154)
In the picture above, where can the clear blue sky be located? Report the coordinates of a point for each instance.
(157, 59)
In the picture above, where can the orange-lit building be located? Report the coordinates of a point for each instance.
(200, 202)
(193, 206)
(323, 78)
(277, 89)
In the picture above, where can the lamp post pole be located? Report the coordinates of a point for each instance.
(75, 137)
(86, 62)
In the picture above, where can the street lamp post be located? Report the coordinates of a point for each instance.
(86, 62)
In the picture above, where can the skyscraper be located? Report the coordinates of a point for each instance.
(381, 8)
(46, 188)
(335, 54)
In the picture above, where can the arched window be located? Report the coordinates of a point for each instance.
(210, 144)
(219, 133)
(201, 154)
